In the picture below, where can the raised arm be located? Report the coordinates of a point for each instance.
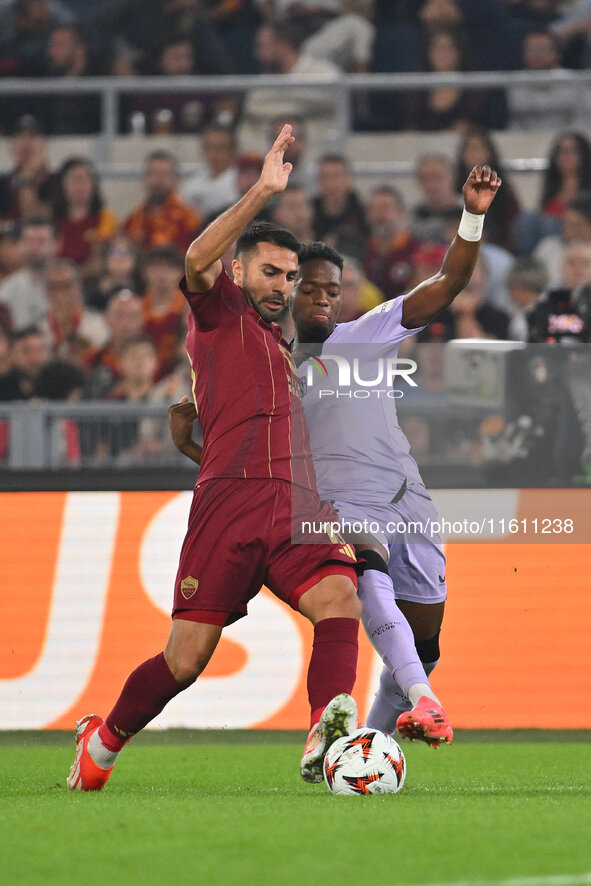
(203, 260)
(422, 305)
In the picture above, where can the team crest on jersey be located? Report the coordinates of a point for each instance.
(189, 587)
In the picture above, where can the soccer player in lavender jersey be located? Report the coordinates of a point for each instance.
(404, 578)
(255, 453)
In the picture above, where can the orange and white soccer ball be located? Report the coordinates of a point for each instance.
(365, 762)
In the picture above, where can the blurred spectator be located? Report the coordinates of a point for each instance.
(164, 305)
(576, 226)
(279, 51)
(69, 113)
(163, 218)
(526, 283)
(26, 190)
(390, 248)
(568, 172)
(71, 329)
(118, 271)
(439, 199)
(427, 260)
(138, 368)
(29, 353)
(359, 294)
(339, 214)
(576, 265)
(564, 314)
(25, 26)
(293, 210)
(445, 107)
(59, 380)
(185, 112)
(248, 171)
(62, 381)
(472, 316)
(216, 186)
(10, 251)
(573, 30)
(23, 292)
(143, 33)
(124, 440)
(304, 170)
(83, 221)
(487, 23)
(541, 106)
(345, 39)
(124, 317)
(476, 146)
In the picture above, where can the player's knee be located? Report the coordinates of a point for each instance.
(185, 666)
(340, 600)
(334, 597)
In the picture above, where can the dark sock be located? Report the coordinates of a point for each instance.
(146, 692)
(333, 663)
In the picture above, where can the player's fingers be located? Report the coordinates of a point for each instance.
(284, 138)
(486, 172)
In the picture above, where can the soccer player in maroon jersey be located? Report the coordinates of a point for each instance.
(255, 463)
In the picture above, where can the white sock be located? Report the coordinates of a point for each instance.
(101, 755)
(418, 690)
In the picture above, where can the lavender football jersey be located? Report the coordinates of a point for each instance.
(349, 394)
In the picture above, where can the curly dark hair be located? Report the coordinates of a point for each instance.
(316, 250)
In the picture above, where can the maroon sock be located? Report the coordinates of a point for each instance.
(145, 693)
(333, 663)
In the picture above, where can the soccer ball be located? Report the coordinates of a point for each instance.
(365, 762)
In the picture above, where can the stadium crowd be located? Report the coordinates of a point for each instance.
(89, 302)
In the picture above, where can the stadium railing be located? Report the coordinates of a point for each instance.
(42, 438)
(112, 89)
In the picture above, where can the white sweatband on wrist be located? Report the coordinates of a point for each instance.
(471, 225)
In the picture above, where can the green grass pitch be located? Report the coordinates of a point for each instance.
(230, 808)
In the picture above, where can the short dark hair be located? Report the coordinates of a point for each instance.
(139, 340)
(163, 255)
(266, 232)
(316, 250)
(335, 158)
(292, 32)
(58, 379)
(529, 272)
(26, 332)
(167, 156)
(390, 191)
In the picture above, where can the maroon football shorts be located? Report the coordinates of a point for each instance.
(240, 538)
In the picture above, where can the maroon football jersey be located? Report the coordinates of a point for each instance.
(246, 390)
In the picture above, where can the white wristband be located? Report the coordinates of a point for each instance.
(471, 226)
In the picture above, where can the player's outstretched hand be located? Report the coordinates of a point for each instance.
(275, 172)
(479, 191)
(181, 416)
